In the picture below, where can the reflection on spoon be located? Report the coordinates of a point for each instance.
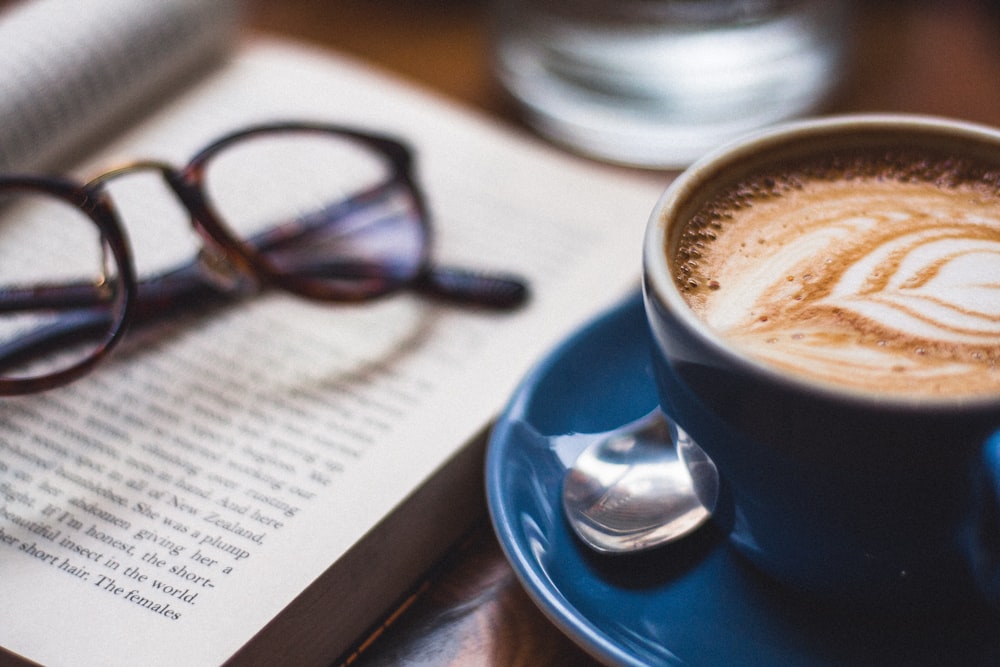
(632, 490)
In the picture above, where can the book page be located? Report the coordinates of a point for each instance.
(171, 503)
(72, 70)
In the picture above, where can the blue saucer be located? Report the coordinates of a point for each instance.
(693, 603)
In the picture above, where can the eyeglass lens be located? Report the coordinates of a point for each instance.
(318, 207)
(54, 269)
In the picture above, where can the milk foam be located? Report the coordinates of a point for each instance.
(880, 281)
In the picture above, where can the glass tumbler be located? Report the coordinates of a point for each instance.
(656, 83)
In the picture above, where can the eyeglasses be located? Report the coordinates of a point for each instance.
(324, 212)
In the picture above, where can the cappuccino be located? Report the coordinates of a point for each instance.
(876, 272)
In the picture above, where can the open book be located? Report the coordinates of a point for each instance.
(261, 483)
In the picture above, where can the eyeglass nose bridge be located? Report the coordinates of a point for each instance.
(220, 263)
(170, 174)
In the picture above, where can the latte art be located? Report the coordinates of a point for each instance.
(876, 278)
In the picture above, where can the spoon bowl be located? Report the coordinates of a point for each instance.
(640, 486)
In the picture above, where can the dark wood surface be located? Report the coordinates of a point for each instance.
(934, 56)
(940, 57)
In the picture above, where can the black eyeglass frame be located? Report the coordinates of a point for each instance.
(246, 258)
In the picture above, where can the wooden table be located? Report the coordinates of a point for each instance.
(927, 57)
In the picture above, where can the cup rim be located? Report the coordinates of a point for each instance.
(752, 150)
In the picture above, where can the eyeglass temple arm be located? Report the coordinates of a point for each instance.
(163, 293)
(68, 329)
(466, 286)
(185, 288)
(85, 315)
(456, 285)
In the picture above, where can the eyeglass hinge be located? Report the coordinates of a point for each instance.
(226, 272)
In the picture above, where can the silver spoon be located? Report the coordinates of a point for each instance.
(639, 486)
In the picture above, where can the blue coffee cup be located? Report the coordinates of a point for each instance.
(864, 499)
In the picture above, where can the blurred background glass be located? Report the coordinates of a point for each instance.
(659, 82)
